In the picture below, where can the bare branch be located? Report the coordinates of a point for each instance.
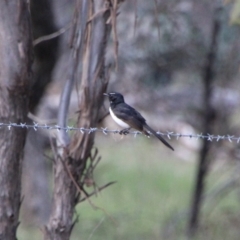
(99, 190)
(52, 35)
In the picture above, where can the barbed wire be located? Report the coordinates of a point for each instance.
(36, 126)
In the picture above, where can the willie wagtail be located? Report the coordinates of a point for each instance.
(127, 117)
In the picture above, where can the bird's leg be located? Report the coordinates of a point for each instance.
(125, 131)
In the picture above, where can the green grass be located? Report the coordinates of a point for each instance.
(150, 198)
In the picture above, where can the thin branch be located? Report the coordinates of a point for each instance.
(99, 190)
(81, 190)
(208, 120)
(100, 222)
(52, 35)
(95, 15)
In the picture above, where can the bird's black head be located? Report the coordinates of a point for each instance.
(114, 97)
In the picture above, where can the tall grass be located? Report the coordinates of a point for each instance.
(151, 197)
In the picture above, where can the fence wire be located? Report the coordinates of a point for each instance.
(37, 126)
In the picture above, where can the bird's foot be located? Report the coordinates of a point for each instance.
(124, 131)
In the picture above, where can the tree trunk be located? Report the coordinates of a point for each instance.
(91, 54)
(209, 116)
(15, 68)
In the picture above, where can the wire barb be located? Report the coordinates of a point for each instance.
(36, 126)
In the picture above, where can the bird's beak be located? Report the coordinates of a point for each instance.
(106, 94)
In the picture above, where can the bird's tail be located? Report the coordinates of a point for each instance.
(146, 127)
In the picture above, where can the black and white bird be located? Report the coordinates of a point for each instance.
(127, 117)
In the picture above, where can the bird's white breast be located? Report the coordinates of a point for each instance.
(117, 120)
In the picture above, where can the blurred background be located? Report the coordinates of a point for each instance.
(179, 65)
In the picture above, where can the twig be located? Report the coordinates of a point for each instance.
(99, 190)
(100, 222)
(52, 35)
(81, 190)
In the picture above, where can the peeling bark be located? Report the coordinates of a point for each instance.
(88, 55)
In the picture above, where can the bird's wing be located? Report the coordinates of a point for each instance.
(130, 115)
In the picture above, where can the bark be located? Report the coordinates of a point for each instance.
(15, 65)
(73, 156)
(209, 116)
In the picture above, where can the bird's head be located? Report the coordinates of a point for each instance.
(114, 97)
